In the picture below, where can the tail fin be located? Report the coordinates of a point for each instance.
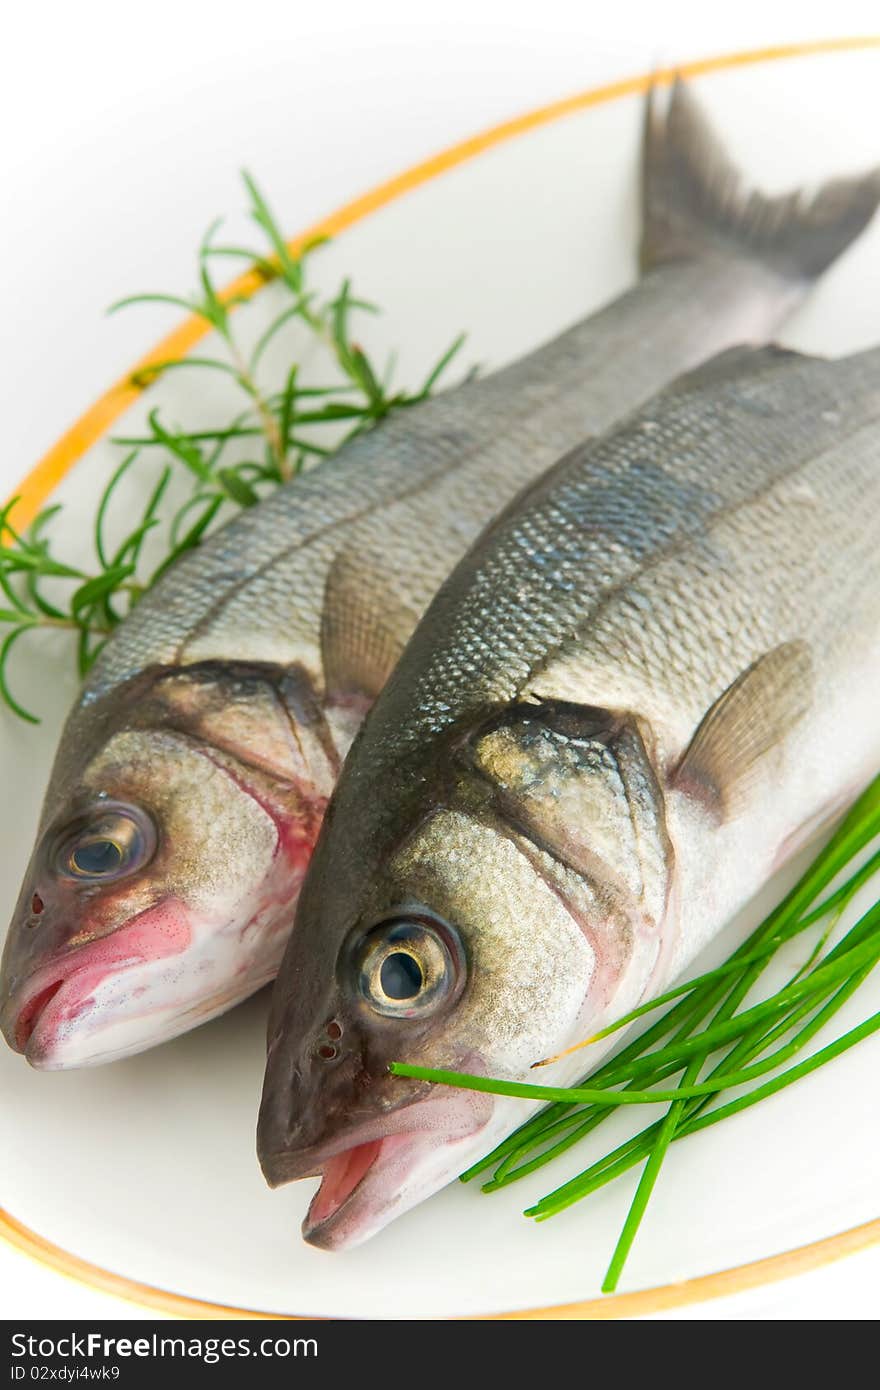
(694, 201)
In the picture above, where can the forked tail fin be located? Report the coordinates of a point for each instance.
(695, 201)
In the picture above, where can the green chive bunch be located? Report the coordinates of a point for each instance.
(716, 1036)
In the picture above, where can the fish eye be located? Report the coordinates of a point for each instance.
(401, 975)
(111, 843)
(406, 967)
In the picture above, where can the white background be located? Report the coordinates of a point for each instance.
(123, 131)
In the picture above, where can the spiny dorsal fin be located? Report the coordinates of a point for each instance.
(734, 364)
(752, 717)
(364, 626)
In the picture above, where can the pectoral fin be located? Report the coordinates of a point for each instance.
(752, 718)
(364, 626)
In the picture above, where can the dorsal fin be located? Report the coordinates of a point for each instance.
(733, 364)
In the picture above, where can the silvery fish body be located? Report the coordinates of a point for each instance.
(193, 773)
(652, 678)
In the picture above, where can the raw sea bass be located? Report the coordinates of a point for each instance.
(193, 773)
(626, 707)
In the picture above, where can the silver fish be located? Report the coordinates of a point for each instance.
(194, 770)
(621, 713)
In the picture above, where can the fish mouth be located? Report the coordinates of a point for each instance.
(341, 1178)
(30, 1013)
(41, 1017)
(47, 1009)
(53, 1001)
(381, 1168)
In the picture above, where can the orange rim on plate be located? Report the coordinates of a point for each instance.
(95, 422)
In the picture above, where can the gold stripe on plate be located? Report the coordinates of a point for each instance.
(94, 423)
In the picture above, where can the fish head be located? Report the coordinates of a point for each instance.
(159, 891)
(475, 932)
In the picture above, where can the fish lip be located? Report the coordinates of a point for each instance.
(320, 1232)
(23, 1022)
(282, 1166)
(414, 1125)
(67, 980)
(25, 1026)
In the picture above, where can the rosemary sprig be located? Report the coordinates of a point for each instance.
(196, 478)
(710, 1017)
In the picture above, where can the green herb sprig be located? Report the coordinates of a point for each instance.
(282, 429)
(711, 1019)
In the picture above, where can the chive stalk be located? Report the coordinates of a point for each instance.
(753, 1046)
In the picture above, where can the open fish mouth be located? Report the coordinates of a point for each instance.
(47, 1018)
(382, 1168)
(49, 1011)
(30, 1014)
(342, 1180)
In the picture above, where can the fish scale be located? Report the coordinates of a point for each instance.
(257, 591)
(692, 613)
(635, 495)
(701, 471)
(261, 650)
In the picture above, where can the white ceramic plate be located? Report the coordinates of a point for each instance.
(147, 1167)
